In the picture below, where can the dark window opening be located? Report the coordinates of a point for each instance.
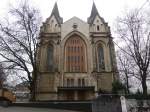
(97, 27)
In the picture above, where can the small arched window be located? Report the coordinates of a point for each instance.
(101, 63)
(50, 52)
(52, 21)
(56, 27)
(97, 27)
(83, 82)
(70, 82)
(79, 82)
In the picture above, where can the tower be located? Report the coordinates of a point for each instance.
(76, 59)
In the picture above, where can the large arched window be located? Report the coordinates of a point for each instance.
(75, 54)
(50, 64)
(101, 63)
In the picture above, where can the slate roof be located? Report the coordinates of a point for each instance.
(55, 12)
(94, 13)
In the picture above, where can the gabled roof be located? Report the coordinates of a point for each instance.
(74, 17)
(94, 13)
(55, 12)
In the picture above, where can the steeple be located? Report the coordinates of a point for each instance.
(94, 12)
(55, 12)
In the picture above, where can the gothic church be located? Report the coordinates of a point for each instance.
(75, 59)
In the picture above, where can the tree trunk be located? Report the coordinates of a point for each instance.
(127, 83)
(144, 85)
(32, 91)
(33, 85)
(128, 91)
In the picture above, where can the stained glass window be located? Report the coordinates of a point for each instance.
(50, 58)
(76, 62)
(101, 64)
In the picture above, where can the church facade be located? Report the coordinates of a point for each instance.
(76, 59)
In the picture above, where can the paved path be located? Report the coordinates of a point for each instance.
(29, 109)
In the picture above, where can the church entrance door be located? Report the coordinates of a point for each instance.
(70, 95)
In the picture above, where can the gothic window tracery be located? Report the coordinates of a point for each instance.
(75, 54)
(50, 52)
(101, 63)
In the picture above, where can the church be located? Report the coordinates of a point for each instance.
(75, 59)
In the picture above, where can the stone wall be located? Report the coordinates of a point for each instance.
(134, 105)
(106, 103)
(111, 103)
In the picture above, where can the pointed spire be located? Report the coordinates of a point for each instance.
(55, 12)
(94, 12)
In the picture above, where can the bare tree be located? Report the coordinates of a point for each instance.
(18, 42)
(124, 68)
(125, 63)
(134, 30)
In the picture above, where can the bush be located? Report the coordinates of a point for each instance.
(138, 95)
(117, 87)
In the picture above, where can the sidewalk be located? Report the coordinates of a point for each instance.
(29, 109)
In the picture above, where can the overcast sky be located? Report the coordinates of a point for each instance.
(108, 9)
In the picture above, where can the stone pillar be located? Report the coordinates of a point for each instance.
(75, 95)
(93, 56)
(123, 104)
